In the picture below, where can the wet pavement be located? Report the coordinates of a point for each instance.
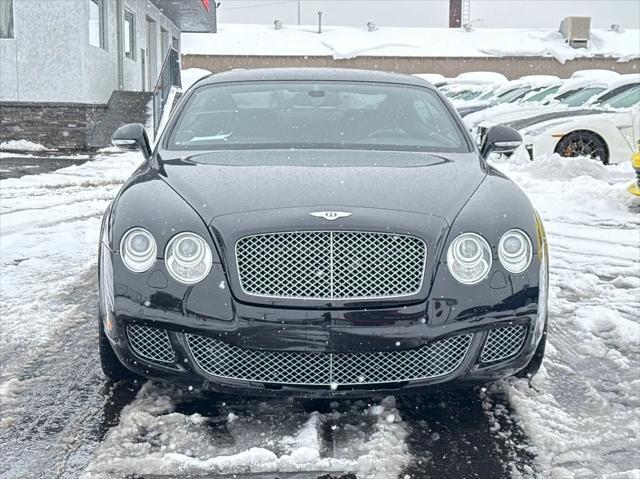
(17, 165)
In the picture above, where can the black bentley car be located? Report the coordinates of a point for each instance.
(320, 233)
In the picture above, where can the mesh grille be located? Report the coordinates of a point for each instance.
(331, 265)
(151, 343)
(283, 367)
(503, 343)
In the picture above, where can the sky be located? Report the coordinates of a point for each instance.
(431, 13)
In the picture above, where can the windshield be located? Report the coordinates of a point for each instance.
(512, 95)
(301, 114)
(581, 96)
(543, 94)
(612, 94)
(626, 99)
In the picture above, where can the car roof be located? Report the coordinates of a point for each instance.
(313, 74)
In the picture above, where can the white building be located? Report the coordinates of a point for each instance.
(56, 53)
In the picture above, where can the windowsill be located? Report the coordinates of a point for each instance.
(131, 59)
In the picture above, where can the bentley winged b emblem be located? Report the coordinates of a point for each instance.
(330, 215)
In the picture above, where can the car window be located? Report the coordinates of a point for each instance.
(543, 94)
(615, 92)
(512, 95)
(625, 100)
(581, 96)
(316, 115)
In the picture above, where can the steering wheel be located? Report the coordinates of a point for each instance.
(388, 133)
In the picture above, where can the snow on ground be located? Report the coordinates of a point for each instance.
(250, 436)
(192, 75)
(49, 234)
(350, 42)
(582, 417)
(22, 145)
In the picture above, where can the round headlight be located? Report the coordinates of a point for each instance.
(515, 251)
(469, 258)
(138, 250)
(188, 258)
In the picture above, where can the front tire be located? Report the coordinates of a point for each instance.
(111, 365)
(583, 143)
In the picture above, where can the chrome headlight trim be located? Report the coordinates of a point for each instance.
(469, 258)
(515, 260)
(188, 258)
(136, 255)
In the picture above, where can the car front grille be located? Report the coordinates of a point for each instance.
(223, 360)
(503, 343)
(151, 343)
(331, 265)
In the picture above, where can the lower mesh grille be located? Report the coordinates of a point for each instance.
(503, 343)
(151, 343)
(284, 367)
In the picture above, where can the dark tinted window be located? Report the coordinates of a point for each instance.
(305, 114)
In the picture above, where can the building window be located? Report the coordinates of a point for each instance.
(6, 18)
(129, 35)
(96, 23)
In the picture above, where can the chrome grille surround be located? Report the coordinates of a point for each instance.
(331, 265)
(223, 360)
(151, 344)
(503, 343)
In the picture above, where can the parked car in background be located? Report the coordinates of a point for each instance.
(608, 134)
(574, 93)
(320, 232)
(512, 92)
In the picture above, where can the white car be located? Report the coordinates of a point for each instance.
(573, 93)
(608, 135)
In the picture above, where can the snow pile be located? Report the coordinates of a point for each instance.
(192, 75)
(22, 145)
(153, 438)
(581, 415)
(350, 42)
(50, 227)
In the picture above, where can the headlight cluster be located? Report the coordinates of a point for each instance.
(138, 250)
(469, 256)
(515, 251)
(188, 257)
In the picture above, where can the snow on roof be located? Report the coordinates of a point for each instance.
(596, 74)
(480, 78)
(350, 42)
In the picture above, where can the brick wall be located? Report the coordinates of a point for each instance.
(63, 126)
(511, 67)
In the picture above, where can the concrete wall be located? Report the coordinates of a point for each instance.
(50, 58)
(511, 67)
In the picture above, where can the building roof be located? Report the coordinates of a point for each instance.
(350, 42)
(198, 16)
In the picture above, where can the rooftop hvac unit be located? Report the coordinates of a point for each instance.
(576, 31)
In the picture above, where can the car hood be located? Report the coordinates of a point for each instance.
(236, 181)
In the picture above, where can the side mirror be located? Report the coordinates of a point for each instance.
(132, 137)
(500, 139)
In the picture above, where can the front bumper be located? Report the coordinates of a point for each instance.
(483, 352)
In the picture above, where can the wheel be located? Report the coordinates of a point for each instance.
(533, 367)
(583, 143)
(111, 365)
